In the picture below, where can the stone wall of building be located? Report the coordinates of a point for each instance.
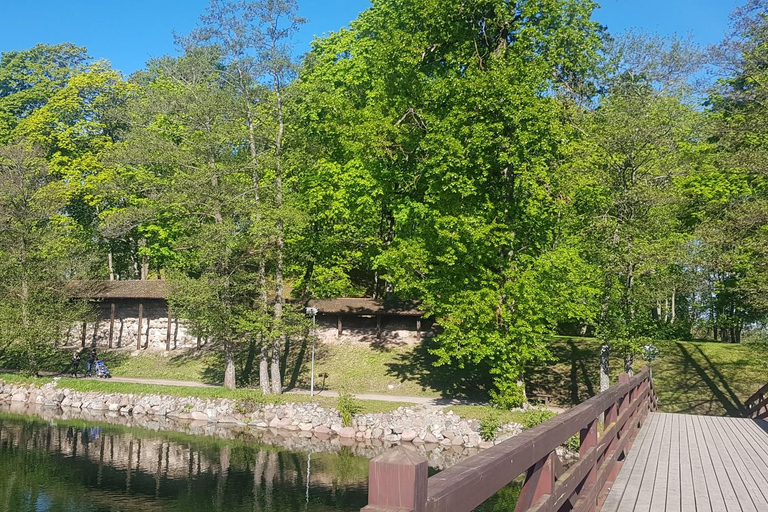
(154, 326)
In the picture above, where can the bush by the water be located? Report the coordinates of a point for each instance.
(348, 406)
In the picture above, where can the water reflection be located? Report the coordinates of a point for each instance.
(75, 466)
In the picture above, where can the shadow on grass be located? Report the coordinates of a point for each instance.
(418, 365)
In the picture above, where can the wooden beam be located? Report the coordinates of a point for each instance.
(138, 334)
(82, 336)
(111, 323)
(338, 325)
(168, 330)
(418, 328)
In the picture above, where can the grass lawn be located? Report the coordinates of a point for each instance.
(691, 377)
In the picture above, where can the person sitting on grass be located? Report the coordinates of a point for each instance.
(91, 365)
(75, 364)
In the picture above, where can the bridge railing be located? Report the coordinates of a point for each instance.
(398, 480)
(757, 405)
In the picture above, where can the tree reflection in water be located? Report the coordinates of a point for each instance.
(76, 466)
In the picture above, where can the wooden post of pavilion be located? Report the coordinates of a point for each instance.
(138, 334)
(82, 336)
(338, 325)
(111, 323)
(168, 330)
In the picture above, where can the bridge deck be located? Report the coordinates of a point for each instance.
(683, 463)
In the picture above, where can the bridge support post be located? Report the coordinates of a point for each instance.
(397, 482)
(539, 481)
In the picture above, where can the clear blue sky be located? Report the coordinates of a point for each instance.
(129, 32)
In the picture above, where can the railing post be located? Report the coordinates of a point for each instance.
(588, 437)
(539, 481)
(397, 481)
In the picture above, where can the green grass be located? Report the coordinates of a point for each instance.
(689, 377)
(362, 369)
(187, 366)
(12, 378)
(486, 412)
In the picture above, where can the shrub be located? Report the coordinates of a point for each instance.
(489, 427)
(348, 406)
(533, 417)
(510, 394)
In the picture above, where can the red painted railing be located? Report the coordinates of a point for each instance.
(398, 480)
(757, 405)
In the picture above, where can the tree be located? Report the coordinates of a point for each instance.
(636, 148)
(730, 199)
(447, 107)
(36, 250)
(254, 38)
(30, 77)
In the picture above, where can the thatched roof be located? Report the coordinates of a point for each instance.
(365, 306)
(149, 289)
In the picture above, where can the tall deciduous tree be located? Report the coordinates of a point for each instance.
(456, 125)
(255, 40)
(36, 256)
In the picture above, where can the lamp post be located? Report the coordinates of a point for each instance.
(313, 312)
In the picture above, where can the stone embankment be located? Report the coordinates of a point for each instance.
(429, 427)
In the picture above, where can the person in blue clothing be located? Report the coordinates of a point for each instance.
(91, 364)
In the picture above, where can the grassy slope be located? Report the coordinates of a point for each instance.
(692, 377)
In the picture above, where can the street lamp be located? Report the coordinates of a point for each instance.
(313, 312)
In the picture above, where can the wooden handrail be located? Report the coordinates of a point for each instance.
(757, 404)
(398, 478)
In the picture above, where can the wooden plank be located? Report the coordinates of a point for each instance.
(755, 450)
(633, 477)
(657, 499)
(111, 323)
(754, 469)
(700, 486)
(672, 501)
(687, 493)
(653, 469)
(613, 501)
(138, 332)
(732, 488)
(742, 483)
(715, 492)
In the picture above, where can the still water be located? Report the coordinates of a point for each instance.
(73, 465)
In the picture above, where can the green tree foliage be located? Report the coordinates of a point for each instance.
(36, 255)
(30, 77)
(447, 106)
(730, 198)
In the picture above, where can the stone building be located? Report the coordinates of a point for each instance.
(135, 314)
(130, 314)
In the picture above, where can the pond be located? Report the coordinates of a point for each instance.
(76, 465)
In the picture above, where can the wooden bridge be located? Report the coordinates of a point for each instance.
(631, 458)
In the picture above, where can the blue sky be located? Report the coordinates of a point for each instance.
(129, 32)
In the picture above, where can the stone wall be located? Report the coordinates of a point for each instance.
(429, 427)
(154, 326)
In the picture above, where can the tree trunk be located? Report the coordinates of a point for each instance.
(264, 370)
(629, 360)
(229, 371)
(111, 266)
(144, 260)
(277, 384)
(605, 379)
(672, 311)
